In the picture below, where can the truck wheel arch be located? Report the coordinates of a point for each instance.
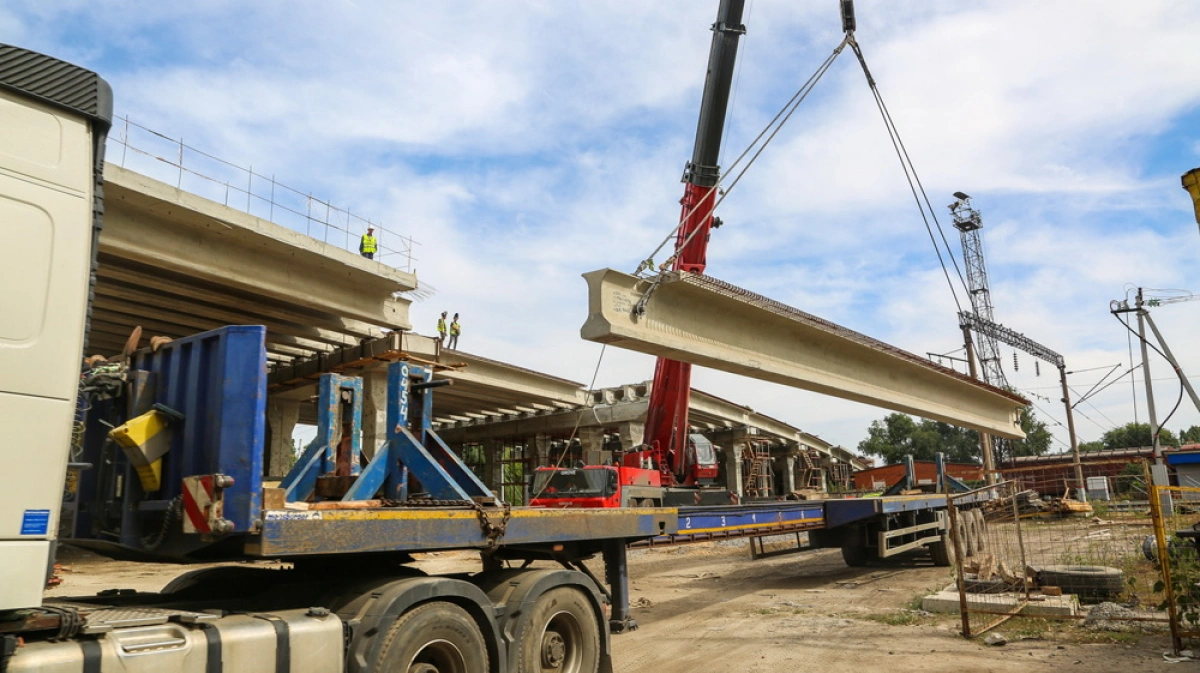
(372, 614)
(518, 590)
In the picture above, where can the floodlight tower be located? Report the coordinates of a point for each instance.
(968, 222)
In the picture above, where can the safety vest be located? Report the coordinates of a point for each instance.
(368, 244)
(441, 325)
(455, 330)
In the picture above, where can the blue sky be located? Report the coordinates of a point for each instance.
(522, 144)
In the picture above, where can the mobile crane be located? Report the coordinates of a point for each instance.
(673, 466)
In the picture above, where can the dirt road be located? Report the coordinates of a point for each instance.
(713, 609)
(710, 608)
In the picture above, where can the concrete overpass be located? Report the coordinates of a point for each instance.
(176, 263)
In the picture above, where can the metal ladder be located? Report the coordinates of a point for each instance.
(758, 483)
(810, 470)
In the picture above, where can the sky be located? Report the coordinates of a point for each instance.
(521, 144)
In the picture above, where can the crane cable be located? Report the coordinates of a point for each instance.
(769, 132)
(910, 173)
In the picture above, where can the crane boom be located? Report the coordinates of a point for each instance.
(667, 419)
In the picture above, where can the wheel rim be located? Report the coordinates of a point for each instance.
(438, 656)
(561, 644)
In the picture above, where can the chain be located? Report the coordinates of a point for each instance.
(154, 542)
(492, 531)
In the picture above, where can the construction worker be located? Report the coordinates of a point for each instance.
(441, 329)
(368, 245)
(455, 330)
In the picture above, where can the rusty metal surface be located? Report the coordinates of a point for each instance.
(301, 533)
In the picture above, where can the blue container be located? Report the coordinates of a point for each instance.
(218, 381)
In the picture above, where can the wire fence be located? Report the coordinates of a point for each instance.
(141, 149)
(1038, 550)
(1176, 512)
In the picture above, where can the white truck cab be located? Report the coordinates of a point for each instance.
(53, 120)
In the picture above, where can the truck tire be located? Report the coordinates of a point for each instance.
(1083, 581)
(561, 634)
(963, 530)
(437, 637)
(942, 551)
(981, 536)
(856, 555)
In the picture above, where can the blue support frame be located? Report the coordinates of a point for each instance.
(320, 457)
(412, 445)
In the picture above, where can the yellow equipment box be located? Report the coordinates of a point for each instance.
(145, 440)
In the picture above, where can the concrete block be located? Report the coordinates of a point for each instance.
(946, 602)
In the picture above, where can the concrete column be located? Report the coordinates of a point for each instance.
(374, 423)
(789, 474)
(733, 465)
(631, 434)
(282, 415)
(493, 470)
(591, 439)
(541, 449)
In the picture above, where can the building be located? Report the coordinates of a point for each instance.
(879, 478)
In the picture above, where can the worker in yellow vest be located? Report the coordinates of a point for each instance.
(441, 329)
(368, 245)
(455, 330)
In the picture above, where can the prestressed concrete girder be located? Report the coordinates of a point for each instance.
(523, 383)
(176, 324)
(155, 224)
(562, 422)
(114, 269)
(169, 303)
(706, 322)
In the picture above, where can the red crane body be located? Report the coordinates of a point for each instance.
(667, 431)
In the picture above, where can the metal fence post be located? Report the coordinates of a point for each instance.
(1020, 543)
(1164, 561)
(964, 613)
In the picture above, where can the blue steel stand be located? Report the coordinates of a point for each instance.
(411, 447)
(332, 448)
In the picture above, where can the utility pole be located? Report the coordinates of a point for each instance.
(1144, 318)
(1141, 316)
(1017, 340)
(985, 440)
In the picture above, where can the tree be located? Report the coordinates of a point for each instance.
(1190, 436)
(1091, 446)
(1133, 435)
(898, 435)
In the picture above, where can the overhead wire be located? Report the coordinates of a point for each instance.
(769, 132)
(914, 181)
(1085, 400)
(1178, 373)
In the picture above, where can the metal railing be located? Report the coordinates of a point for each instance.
(146, 151)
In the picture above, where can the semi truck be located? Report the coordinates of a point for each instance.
(158, 455)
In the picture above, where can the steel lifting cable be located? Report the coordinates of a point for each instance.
(769, 131)
(578, 421)
(914, 181)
